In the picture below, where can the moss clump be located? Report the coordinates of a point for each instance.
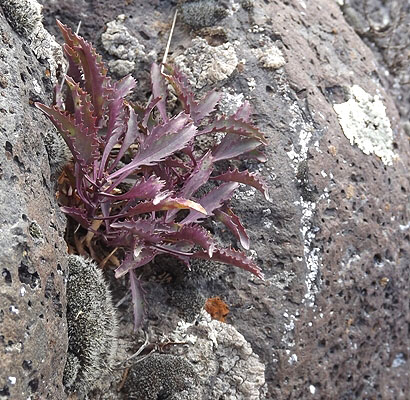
(203, 13)
(92, 327)
(163, 376)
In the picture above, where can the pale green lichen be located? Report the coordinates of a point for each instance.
(364, 122)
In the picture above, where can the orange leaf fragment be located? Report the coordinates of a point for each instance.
(217, 308)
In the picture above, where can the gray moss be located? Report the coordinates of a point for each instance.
(163, 376)
(92, 327)
(203, 13)
(57, 150)
(202, 270)
(189, 302)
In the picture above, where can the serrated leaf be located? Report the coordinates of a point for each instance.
(158, 151)
(234, 126)
(232, 257)
(144, 257)
(211, 201)
(197, 110)
(82, 144)
(145, 189)
(147, 119)
(144, 229)
(167, 204)
(246, 177)
(194, 234)
(131, 135)
(233, 223)
(196, 179)
(94, 71)
(233, 146)
(159, 90)
(173, 125)
(83, 108)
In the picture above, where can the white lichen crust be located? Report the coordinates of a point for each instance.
(364, 122)
(205, 65)
(26, 19)
(119, 43)
(92, 327)
(221, 355)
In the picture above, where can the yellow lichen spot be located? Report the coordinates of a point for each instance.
(333, 150)
(350, 192)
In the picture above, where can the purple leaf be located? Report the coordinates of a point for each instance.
(197, 178)
(94, 71)
(234, 126)
(147, 120)
(233, 223)
(145, 189)
(202, 109)
(253, 155)
(233, 257)
(143, 228)
(78, 214)
(198, 110)
(244, 112)
(211, 201)
(171, 126)
(167, 204)
(246, 177)
(131, 262)
(158, 151)
(83, 145)
(233, 146)
(159, 90)
(137, 299)
(83, 108)
(195, 234)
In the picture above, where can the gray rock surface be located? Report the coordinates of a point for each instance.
(331, 319)
(33, 330)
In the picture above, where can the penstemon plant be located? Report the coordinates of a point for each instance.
(138, 171)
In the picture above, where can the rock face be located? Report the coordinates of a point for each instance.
(331, 319)
(33, 331)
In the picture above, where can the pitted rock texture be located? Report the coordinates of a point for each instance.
(331, 319)
(33, 331)
(221, 355)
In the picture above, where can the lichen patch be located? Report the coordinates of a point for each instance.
(205, 64)
(364, 122)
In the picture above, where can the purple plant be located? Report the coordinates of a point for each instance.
(137, 170)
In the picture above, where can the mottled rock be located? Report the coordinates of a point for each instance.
(33, 330)
(233, 368)
(331, 319)
(205, 64)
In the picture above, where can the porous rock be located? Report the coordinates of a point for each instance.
(25, 17)
(33, 330)
(118, 42)
(231, 365)
(331, 319)
(205, 64)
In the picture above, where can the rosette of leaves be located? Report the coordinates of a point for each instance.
(138, 170)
